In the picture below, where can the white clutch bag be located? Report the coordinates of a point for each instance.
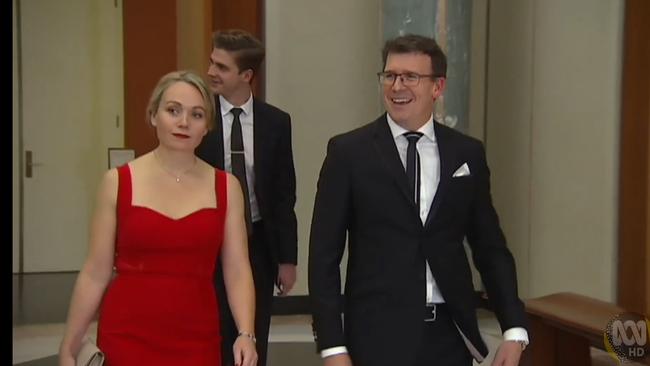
(89, 354)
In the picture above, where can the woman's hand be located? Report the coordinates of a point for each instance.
(66, 359)
(245, 352)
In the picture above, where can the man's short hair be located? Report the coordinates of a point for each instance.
(414, 43)
(247, 50)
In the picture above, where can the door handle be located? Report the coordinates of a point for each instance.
(29, 163)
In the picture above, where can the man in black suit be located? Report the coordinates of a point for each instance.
(264, 166)
(407, 190)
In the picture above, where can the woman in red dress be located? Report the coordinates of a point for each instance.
(161, 225)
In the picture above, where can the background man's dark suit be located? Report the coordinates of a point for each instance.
(363, 191)
(275, 240)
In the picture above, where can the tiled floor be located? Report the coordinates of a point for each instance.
(291, 341)
(40, 303)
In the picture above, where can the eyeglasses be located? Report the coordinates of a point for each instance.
(407, 78)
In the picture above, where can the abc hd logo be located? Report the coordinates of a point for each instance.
(626, 337)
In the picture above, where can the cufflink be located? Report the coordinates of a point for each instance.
(522, 344)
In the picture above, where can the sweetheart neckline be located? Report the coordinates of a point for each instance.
(179, 218)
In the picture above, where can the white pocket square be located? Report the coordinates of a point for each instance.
(462, 171)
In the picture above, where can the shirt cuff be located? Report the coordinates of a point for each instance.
(333, 351)
(516, 334)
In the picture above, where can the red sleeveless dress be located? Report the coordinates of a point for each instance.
(161, 307)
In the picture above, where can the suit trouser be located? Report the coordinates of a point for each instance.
(264, 273)
(441, 343)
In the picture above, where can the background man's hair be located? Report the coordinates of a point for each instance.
(247, 50)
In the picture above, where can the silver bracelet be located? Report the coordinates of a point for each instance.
(246, 334)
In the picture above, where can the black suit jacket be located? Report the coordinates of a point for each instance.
(275, 177)
(363, 191)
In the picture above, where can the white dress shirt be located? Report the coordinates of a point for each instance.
(246, 119)
(429, 177)
(427, 148)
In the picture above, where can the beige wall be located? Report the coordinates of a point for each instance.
(552, 139)
(477, 80)
(321, 63)
(508, 123)
(16, 148)
(69, 119)
(478, 58)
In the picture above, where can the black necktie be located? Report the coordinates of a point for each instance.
(413, 165)
(239, 163)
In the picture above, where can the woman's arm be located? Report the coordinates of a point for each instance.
(96, 272)
(237, 273)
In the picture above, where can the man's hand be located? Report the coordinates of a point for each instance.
(286, 278)
(342, 359)
(508, 354)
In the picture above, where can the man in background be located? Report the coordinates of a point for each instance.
(252, 140)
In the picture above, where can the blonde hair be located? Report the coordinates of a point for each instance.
(190, 78)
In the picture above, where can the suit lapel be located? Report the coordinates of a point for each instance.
(260, 137)
(218, 134)
(446, 154)
(387, 151)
